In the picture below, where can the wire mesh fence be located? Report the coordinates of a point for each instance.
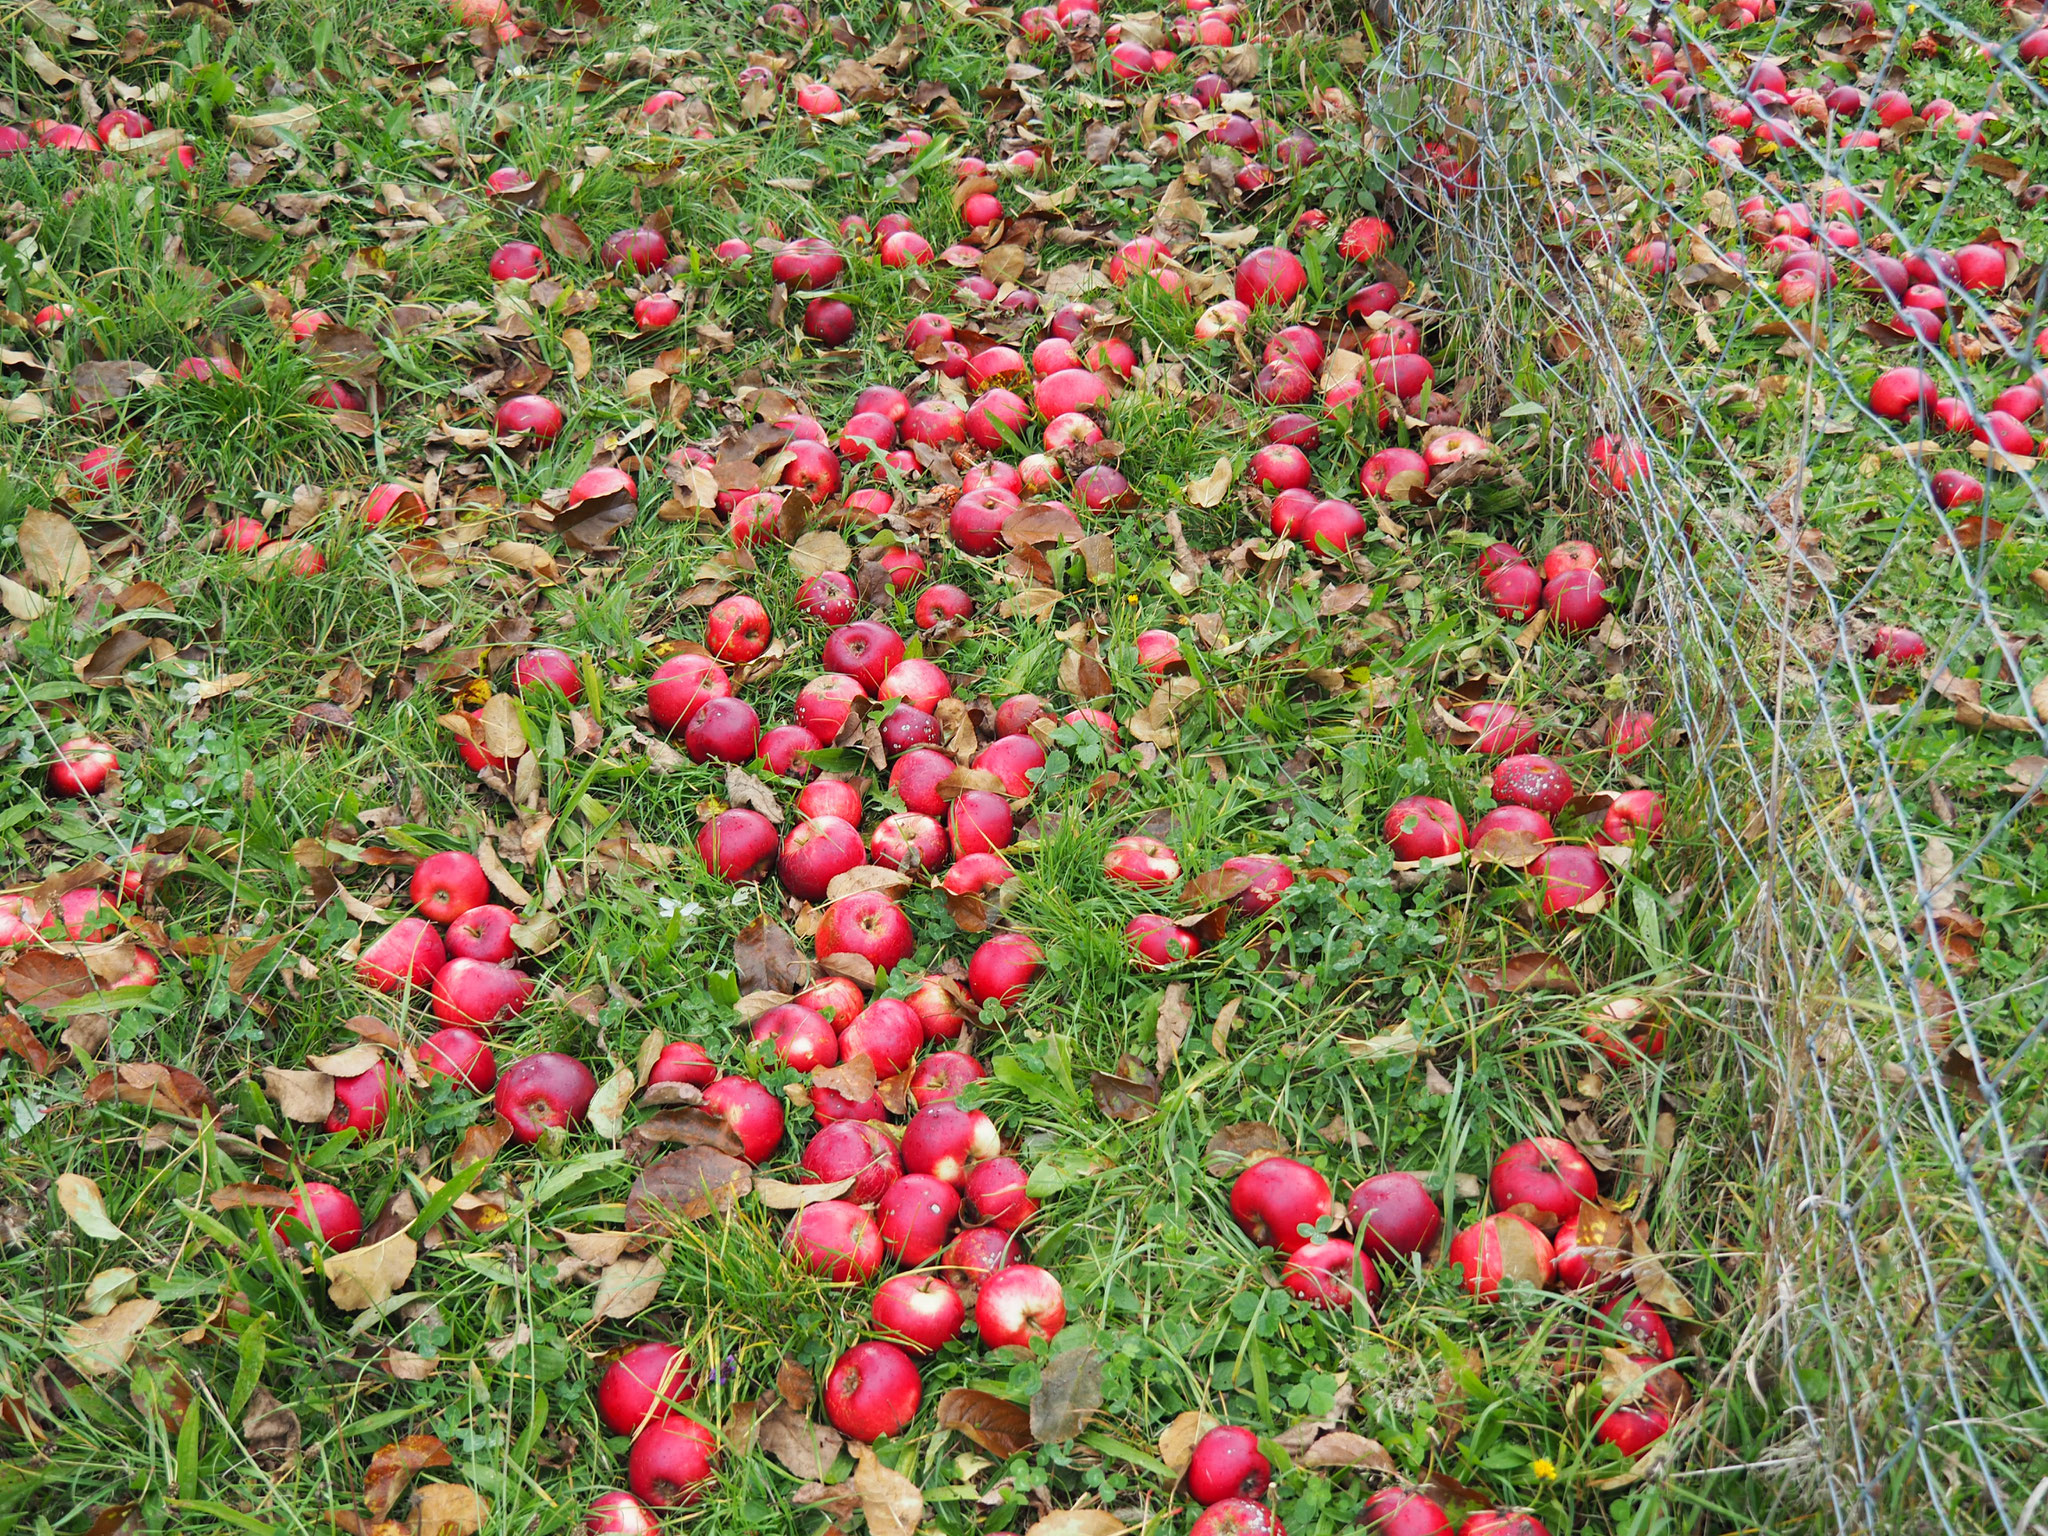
(1789, 262)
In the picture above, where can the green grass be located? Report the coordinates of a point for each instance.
(1279, 754)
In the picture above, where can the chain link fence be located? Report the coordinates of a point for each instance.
(1585, 178)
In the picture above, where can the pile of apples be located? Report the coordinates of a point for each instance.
(1538, 1189)
(1531, 792)
(1569, 585)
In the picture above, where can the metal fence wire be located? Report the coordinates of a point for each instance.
(1868, 816)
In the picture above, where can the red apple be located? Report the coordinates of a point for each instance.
(941, 1076)
(408, 953)
(446, 885)
(1404, 1512)
(1633, 1428)
(853, 1149)
(671, 1461)
(618, 1513)
(723, 730)
(868, 924)
(836, 1239)
(863, 651)
(460, 1054)
(545, 667)
(910, 842)
(1393, 1216)
(81, 768)
(1144, 862)
(362, 1103)
(1019, 1305)
(872, 1391)
(1002, 967)
(1013, 759)
(1633, 810)
(535, 415)
(645, 1382)
(1532, 780)
(644, 248)
(478, 994)
(917, 1213)
(828, 597)
(921, 1310)
(683, 1061)
(1330, 1274)
(739, 844)
(1270, 275)
(320, 1213)
(943, 1141)
(824, 705)
(889, 1033)
(755, 1114)
(1424, 827)
(737, 629)
(1276, 1197)
(518, 259)
(801, 1038)
(544, 1092)
(979, 822)
(1158, 942)
(1569, 874)
(484, 933)
(1237, 1517)
(1544, 1179)
(1227, 1464)
(995, 1194)
(1267, 880)
(684, 684)
(1501, 726)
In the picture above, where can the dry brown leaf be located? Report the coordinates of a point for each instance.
(890, 1500)
(100, 1346)
(997, 1425)
(1177, 1440)
(805, 1448)
(1175, 1018)
(53, 553)
(1209, 490)
(80, 1198)
(392, 1467)
(1237, 1147)
(305, 1097)
(448, 1509)
(370, 1275)
(628, 1288)
(1078, 1522)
